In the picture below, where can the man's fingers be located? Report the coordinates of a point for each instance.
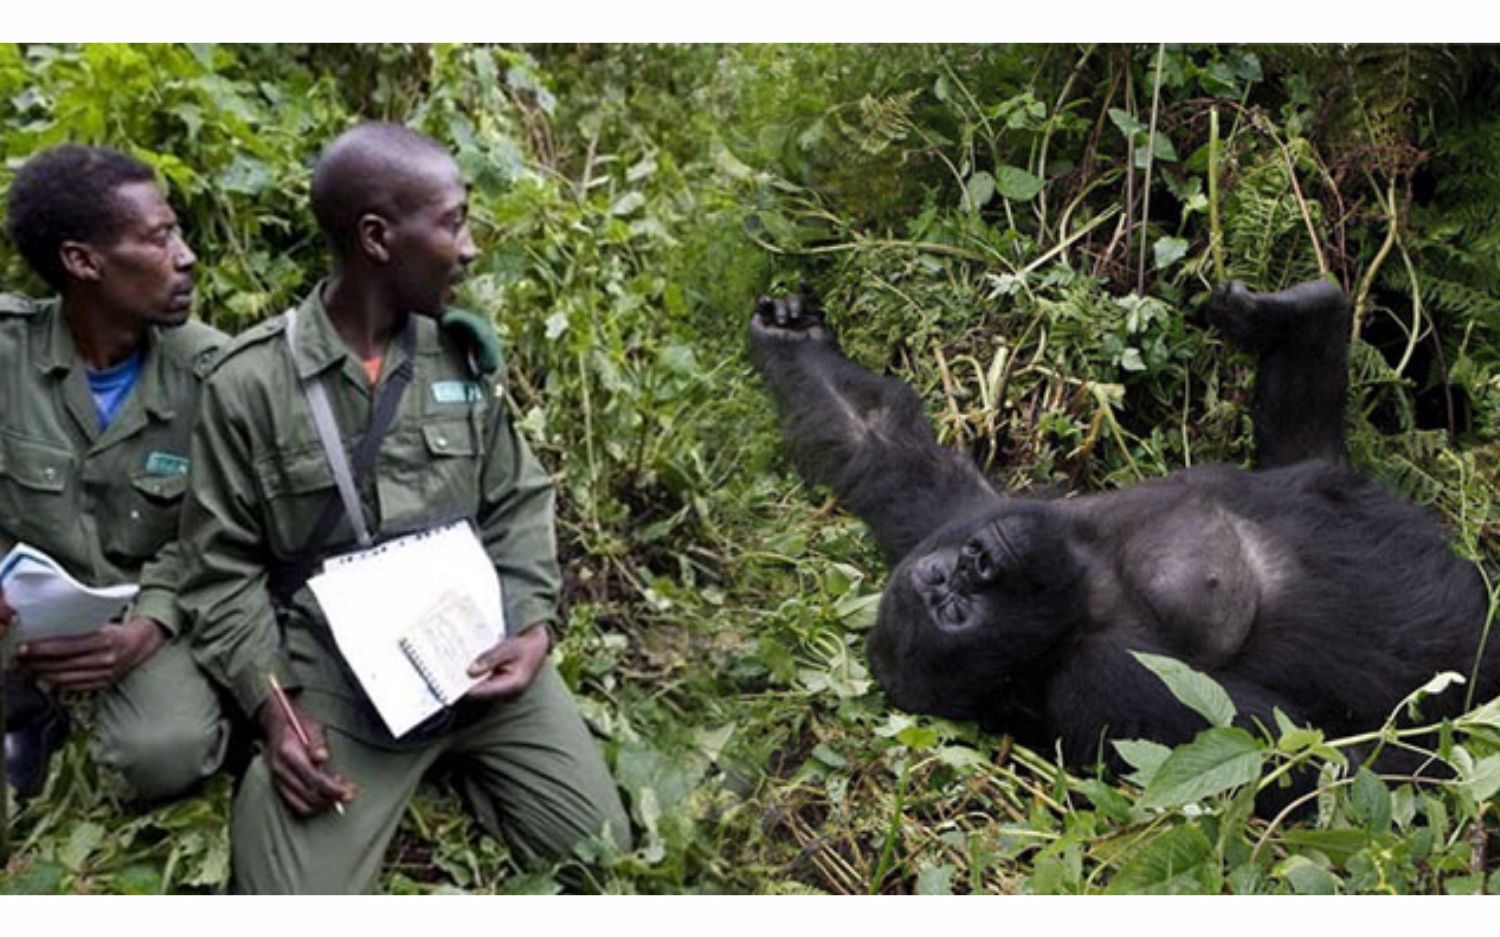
(291, 788)
(503, 684)
(314, 788)
(317, 749)
(59, 648)
(98, 659)
(85, 681)
(497, 656)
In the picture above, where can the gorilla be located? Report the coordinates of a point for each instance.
(1299, 586)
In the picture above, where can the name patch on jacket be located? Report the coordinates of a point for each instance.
(165, 463)
(456, 392)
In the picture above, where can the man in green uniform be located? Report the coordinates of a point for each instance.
(394, 209)
(97, 393)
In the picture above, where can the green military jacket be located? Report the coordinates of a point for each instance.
(261, 479)
(103, 504)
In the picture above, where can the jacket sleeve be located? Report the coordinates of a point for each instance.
(224, 594)
(159, 580)
(195, 347)
(516, 524)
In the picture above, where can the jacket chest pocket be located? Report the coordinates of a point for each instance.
(142, 518)
(432, 476)
(295, 488)
(36, 482)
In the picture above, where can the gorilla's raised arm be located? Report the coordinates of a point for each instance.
(863, 435)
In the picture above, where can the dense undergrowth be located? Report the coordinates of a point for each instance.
(1023, 233)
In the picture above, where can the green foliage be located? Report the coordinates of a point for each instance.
(1021, 232)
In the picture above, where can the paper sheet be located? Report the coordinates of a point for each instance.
(52, 604)
(374, 597)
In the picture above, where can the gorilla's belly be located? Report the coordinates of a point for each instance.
(1203, 573)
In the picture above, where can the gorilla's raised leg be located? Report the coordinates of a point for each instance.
(1301, 338)
(863, 435)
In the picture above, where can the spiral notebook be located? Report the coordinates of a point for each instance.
(410, 615)
(444, 642)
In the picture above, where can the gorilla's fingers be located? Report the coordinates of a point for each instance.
(764, 307)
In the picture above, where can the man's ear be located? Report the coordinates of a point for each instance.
(81, 261)
(372, 234)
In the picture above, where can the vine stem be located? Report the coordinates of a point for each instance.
(1140, 276)
(1215, 229)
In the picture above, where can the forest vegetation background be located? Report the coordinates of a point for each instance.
(1022, 232)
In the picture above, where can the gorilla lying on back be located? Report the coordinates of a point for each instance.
(1298, 586)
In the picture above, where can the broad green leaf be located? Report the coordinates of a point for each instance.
(1216, 761)
(1126, 121)
(711, 742)
(37, 878)
(246, 176)
(858, 611)
(1144, 756)
(1306, 877)
(1464, 885)
(1371, 801)
(1130, 360)
(978, 191)
(1178, 862)
(1016, 184)
(1338, 845)
(1198, 692)
(917, 737)
(935, 880)
(1486, 715)
(1483, 780)
(1291, 737)
(84, 839)
(532, 883)
(961, 756)
(1106, 799)
(1162, 149)
(627, 203)
(1167, 251)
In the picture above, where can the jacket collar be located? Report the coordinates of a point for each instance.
(58, 354)
(319, 346)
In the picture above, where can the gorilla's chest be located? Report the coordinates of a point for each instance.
(1200, 573)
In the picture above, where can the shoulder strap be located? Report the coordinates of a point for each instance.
(333, 449)
(346, 474)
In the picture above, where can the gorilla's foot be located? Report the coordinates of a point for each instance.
(1256, 321)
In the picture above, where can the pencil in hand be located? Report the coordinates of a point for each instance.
(291, 716)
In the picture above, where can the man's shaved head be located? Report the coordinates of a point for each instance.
(371, 168)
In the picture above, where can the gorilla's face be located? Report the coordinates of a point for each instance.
(973, 608)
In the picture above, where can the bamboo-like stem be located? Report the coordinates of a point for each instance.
(1140, 272)
(1215, 229)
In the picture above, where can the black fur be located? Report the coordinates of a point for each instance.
(1300, 586)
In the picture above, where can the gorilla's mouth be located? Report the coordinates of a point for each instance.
(943, 590)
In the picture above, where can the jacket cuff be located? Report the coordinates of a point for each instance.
(528, 615)
(160, 605)
(252, 685)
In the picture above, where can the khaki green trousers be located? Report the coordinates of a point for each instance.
(161, 729)
(528, 767)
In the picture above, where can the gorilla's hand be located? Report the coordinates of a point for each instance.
(794, 318)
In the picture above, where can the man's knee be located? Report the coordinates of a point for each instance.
(164, 759)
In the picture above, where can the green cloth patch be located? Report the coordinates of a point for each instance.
(165, 463)
(456, 392)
